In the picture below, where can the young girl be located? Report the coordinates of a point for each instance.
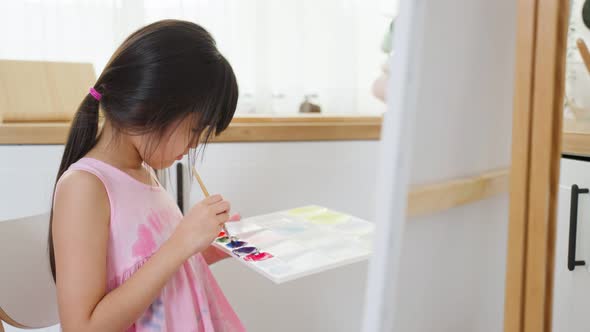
(122, 254)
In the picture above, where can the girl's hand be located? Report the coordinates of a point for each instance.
(212, 254)
(202, 224)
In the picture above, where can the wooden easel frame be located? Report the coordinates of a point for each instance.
(536, 150)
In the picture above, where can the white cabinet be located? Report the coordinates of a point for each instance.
(572, 288)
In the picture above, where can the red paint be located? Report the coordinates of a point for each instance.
(261, 256)
(221, 234)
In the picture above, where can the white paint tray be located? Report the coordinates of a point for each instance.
(301, 241)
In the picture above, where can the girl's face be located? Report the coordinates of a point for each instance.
(174, 144)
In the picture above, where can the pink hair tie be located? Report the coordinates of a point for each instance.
(95, 94)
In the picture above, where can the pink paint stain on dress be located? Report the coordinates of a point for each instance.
(155, 221)
(165, 217)
(145, 244)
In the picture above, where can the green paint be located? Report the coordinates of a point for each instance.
(224, 239)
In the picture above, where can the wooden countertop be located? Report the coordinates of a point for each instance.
(277, 128)
(576, 144)
(250, 128)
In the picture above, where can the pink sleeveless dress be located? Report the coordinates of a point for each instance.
(142, 218)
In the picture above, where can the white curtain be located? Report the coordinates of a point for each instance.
(281, 50)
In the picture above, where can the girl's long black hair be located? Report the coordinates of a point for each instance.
(162, 73)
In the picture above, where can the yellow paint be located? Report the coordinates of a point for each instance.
(307, 210)
(328, 218)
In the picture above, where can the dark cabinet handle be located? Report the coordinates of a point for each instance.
(179, 186)
(571, 250)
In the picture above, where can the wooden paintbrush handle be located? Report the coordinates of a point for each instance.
(206, 193)
(200, 181)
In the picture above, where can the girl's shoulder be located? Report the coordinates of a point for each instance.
(80, 200)
(82, 186)
(81, 182)
(75, 187)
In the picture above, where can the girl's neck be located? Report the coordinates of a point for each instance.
(116, 149)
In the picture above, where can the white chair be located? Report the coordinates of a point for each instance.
(27, 291)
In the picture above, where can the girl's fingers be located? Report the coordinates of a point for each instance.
(220, 207)
(214, 199)
(222, 218)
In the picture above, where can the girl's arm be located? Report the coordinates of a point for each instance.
(81, 232)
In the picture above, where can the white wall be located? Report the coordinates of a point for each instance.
(27, 174)
(453, 263)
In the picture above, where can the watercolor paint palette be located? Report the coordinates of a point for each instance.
(295, 243)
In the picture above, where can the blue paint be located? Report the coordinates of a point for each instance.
(236, 244)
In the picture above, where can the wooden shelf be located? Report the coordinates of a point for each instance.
(576, 137)
(252, 128)
(576, 144)
(437, 197)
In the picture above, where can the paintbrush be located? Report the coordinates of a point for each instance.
(584, 52)
(206, 193)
